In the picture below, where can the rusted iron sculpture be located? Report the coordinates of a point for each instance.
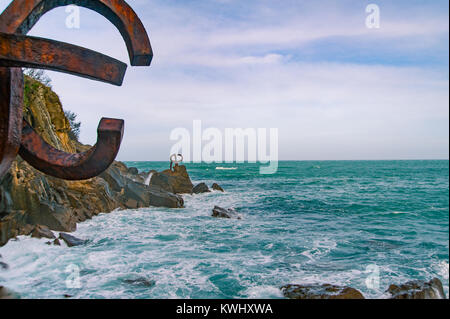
(18, 50)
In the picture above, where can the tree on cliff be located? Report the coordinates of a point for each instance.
(74, 125)
(31, 91)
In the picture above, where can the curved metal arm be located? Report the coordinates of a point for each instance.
(31, 52)
(21, 15)
(69, 166)
(11, 93)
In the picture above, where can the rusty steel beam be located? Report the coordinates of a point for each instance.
(79, 166)
(11, 96)
(15, 50)
(31, 52)
(21, 15)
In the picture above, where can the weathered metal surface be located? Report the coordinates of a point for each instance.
(11, 96)
(79, 166)
(21, 15)
(30, 52)
(18, 50)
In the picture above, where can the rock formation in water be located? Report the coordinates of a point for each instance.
(220, 212)
(176, 181)
(29, 198)
(217, 187)
(417, 289)
(201, 188)
(324, 291)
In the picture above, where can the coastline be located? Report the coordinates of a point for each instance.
(189, 254)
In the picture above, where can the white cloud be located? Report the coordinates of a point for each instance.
(239, 72)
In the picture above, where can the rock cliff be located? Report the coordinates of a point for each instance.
(29, 198)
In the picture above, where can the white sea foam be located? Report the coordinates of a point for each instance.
(190, 254)
(226, 168)
(148, 179)
(442, 269)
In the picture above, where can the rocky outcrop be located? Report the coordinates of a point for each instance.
(139, 281)
(5, 293)
(217, 187)
(176, 181)
(417, 289)
(42, 232)
(220, 212)
(56, 242)
(29, 198)
(133, 171)
(3, 265)
(324, 291)
(201, 188)
(71, 241)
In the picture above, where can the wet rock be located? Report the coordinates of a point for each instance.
(42, 232)
(201, 188)
(418, 289)
(71, 241)
(161, 198)
(325, 291)
(136, 195)
(217, 187)
(67, 296)
(139, 282)
(3, 266)
(176, 181)
(220, 212)
(133, 171)
(56, 242)
(6, 293)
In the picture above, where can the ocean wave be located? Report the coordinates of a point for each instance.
(443, 269)
(226, 168)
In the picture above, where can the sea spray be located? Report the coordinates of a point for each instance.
(149, 178)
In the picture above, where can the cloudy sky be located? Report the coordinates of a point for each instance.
(334, 88)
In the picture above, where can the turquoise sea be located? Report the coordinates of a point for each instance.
(338, 222)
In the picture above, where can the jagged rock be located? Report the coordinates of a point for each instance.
(42, 232)
(220, 212)
(217, 187)
(160, 198)
(201, 188)
(3, 266)
(325, 291)
(56, 242)
(139, 282)
(133, 171)
(6, 293)
(136, 195)
(418, 289)
(176, 181)
(70, 240)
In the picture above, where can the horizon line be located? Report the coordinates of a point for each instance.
(297, 160)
